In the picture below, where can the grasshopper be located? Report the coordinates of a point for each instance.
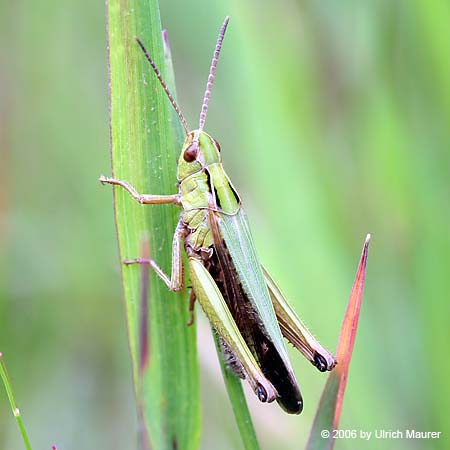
(246, 308)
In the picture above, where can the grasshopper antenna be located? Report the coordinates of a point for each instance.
(212, 71)
(164, 86)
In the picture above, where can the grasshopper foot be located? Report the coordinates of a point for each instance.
(128, 262)
(103, 179)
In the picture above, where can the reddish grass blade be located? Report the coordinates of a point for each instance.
(144, 351)
(330, 406)
(144, 347)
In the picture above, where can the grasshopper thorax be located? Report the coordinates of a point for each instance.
(199, 151)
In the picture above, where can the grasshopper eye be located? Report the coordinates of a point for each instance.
(190, 154)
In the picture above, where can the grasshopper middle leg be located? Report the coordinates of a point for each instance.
(176, 280)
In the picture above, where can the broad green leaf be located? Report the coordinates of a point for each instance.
(330, 406)
(145, 139)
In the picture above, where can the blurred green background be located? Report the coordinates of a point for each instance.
(334, 121)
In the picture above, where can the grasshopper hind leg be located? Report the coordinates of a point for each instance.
(295, 331)
(321, 363)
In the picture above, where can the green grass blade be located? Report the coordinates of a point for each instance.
(12, 401)
(330, 406)
(238, 403)
(145, 139)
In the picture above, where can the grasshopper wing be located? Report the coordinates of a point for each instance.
(295, 331)
(248, 299)
(215, 307)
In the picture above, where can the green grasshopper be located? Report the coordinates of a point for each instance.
(245, 307)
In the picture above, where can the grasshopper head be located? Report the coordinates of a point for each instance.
(199, 151)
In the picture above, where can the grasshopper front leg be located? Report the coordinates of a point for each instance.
(147, 199)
